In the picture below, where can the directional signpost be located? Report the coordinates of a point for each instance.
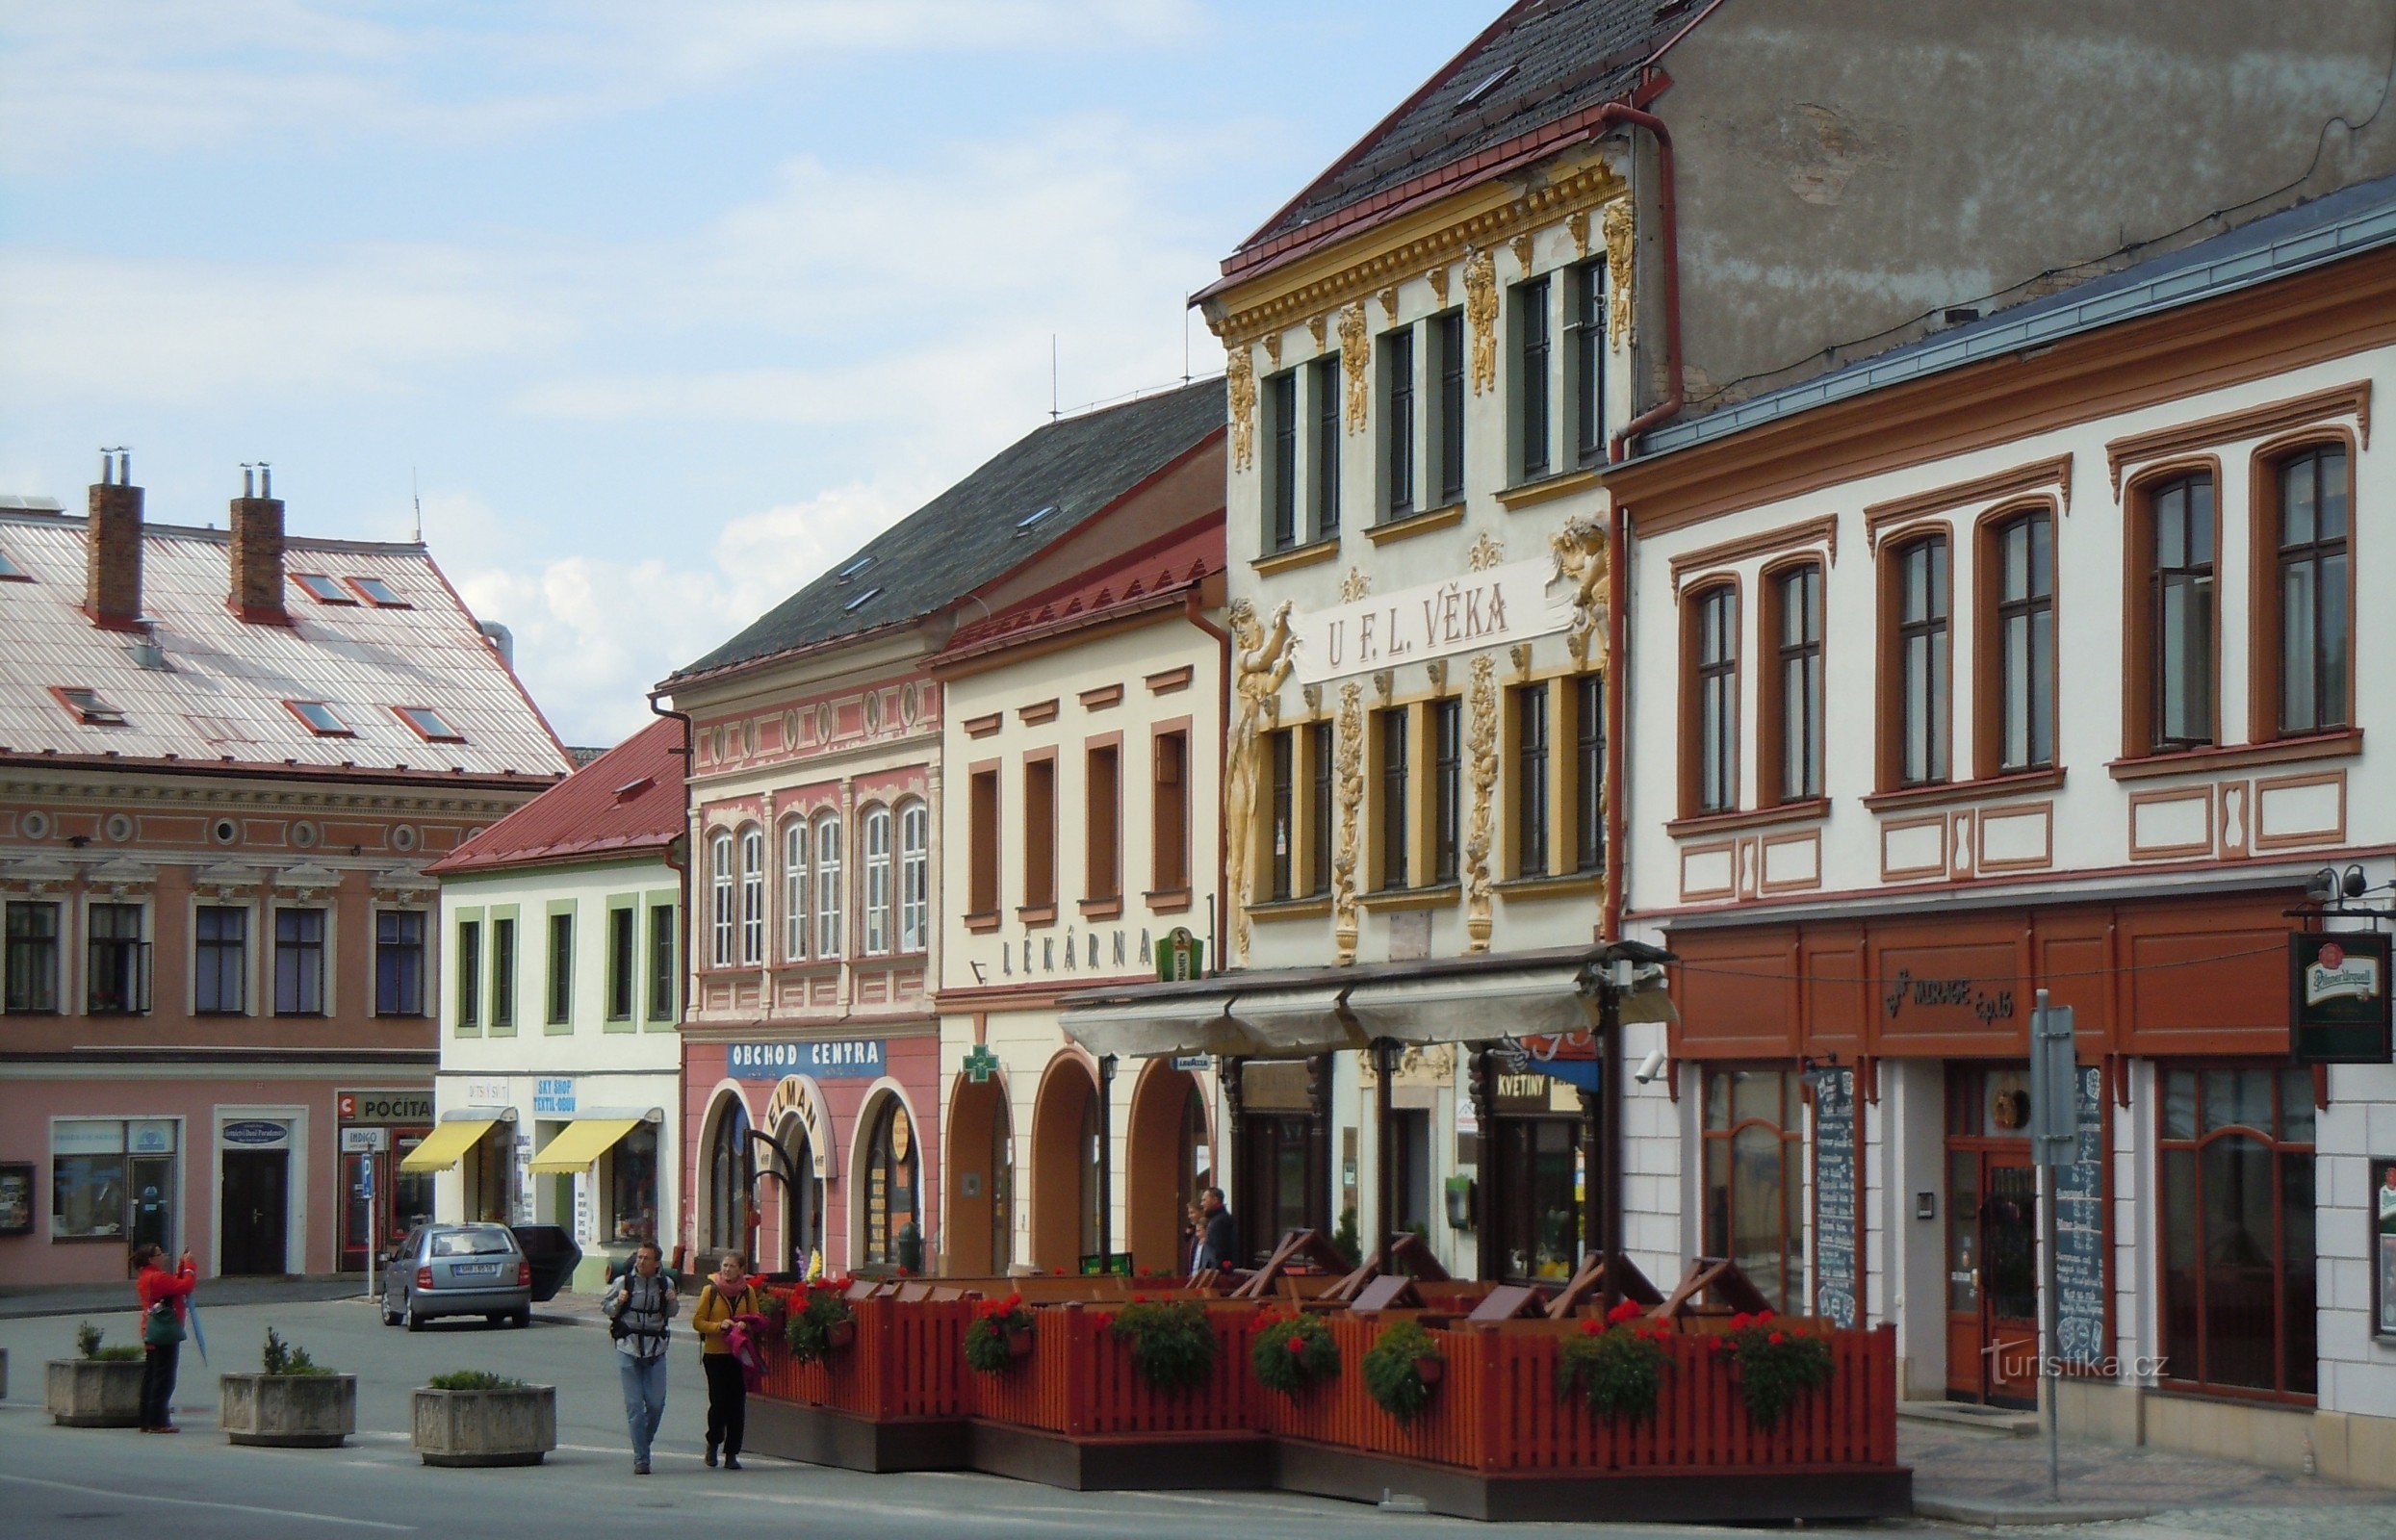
(2054, 1142)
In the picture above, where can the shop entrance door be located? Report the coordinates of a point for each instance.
(256, 1182)
(1537, 1201)
(1992, 1240)
(1274, 1177)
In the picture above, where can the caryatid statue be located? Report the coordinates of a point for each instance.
(1261, 661)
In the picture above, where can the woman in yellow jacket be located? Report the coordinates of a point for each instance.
(727, 1293)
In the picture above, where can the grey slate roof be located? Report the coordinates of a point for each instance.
(973, 531)
(1564, 55)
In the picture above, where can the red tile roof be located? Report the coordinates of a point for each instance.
(627, 801)
(1161, 570)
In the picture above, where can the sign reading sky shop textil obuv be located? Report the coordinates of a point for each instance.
(841, 1059)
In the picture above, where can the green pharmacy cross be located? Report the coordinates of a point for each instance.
(979, 1062)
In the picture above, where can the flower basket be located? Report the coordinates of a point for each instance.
(1429, 1367)
(1020, 1344)
(999, 1336)
(841, 1334)
(1394, 1370)
(1775, 1364)
(823, 1324)
(1172, 1348)
(1616, 1365)
(1294, 1353)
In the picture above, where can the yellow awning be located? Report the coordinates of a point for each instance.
(446, 1144)
(585, 1141)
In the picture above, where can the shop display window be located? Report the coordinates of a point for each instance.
(632, 1186)
(1755, 1185)
(113, 1180)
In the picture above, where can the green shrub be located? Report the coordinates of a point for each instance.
(87, 1346)
(281, 1359)
(1390, 1373)
(1344, 1237)
(1172, 1348)
(809, 1330)
(1616, 1365)
(1292, 1352)
(1775, 1364)
(994, 1320)
(472, 1380)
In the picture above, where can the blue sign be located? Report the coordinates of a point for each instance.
(553, 1096)
(255, 1131)
(845, 1059)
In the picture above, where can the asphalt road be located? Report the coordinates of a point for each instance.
(80, 1481)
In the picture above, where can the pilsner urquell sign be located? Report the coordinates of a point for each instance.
(2337, 997)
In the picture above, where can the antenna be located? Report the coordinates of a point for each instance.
(418, 499)
(1053, 414)
(1185, 346)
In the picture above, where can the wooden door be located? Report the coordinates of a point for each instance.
(254, 1212)
(1992, 1338)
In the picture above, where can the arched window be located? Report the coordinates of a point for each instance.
(828, 942)
(914, 876)
(877, 880)
(890, 1176)
(794, 864)
(731, 1172)
(752, 897)
(720, 912)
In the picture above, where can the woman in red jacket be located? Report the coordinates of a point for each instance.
(162, 1293)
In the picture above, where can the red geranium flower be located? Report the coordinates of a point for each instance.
(1623, 1310)
(1296, 1344)
(1591, 1329)
(1776, 1339)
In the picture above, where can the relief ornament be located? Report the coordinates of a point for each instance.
(1581, 558)
(1481, 317)
(1349, 787)
(1355, 360)
(1480, 744)
(1263, 658)
(1240, 386)
(1616, 228)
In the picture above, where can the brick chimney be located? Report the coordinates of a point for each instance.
(111, 590)
(257, 552)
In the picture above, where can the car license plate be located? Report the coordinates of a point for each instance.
(474, 1270)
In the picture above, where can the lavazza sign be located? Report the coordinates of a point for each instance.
(1492, 607)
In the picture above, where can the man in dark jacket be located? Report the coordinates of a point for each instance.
(1219, 1247)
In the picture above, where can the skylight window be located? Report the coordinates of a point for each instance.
(429, 725)
(854, 568)
(88, 705)
(323, 589)
(1480, 92)
(378, 593)
(319, 719)
(859, 602)
(1024, 524)
(12, 572)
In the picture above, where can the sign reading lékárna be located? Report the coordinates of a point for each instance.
(1493, 607)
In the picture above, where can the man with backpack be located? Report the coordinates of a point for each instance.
(638, 1304)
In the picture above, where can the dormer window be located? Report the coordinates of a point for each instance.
(323, 589)
(859, 602)
(89, 709)
(319, 719)
(633, 789)
(429, 724)
(377, 593)
(12, 572)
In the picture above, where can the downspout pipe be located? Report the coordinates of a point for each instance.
(682, 982)
(1669, 235)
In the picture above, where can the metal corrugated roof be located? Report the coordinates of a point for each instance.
(219, 696)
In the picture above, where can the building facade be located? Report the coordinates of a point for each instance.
(229, 756)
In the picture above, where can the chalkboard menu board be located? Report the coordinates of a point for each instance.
(1838, 1244)
(2080, 1235)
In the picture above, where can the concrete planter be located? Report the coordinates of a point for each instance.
(485, 1426)
(288, 1411)
(88, 1393)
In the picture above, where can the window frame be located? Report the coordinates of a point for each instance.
(1282, 524)
(214, 948)
(507, 930)
(448, 733)
(1588, 695)
(1899, 634)
(559, 966)
(1993, 652)
(43, 957)
(1709, 784)
(1448, 442)
(831, 940)
(720, 901)
(797, 866)
(1038, 826)
(1321, 750)
(128, 960)
(394, 947)
(1280, 862)
(1791, 1131)
(2267, 714)
(878, 832)
(468, 977)
(331, 593)
(752, 897)
(1401, 412)
(1531, 413)
(1102, 821)
(1171, 773)
(624, 959)
(662, 961)
(914, 876)
(1323, 440)
(984, 812)
(338, 728)
(1584, 379)
(1393, 785)
(305, 985)
(1446, 857)
(1531, 712)
(2142, 680)
(1775, 730)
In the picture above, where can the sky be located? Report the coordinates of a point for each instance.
(660, 308)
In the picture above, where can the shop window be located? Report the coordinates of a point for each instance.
(631, 1185)
(878, 896)
(113, 1179)
(1755, 1186)
(891, 1188)
(731, 1170)
(469, 975)
(221, 961)
(399, 962)
(914, 876)
(2239, 1259)
(32, 983)
(1539, 1203)
(298, 962)
(116, 960)
(662, 971)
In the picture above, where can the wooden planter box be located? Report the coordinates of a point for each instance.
(514, 1426)
(288, 1411)
(88, 1392)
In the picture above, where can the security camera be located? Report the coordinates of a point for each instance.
(1649, 1068)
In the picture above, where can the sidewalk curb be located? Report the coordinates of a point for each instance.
(2008, 1511)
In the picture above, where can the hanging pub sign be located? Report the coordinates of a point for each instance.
(2337, 997)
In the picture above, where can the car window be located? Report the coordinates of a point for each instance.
(471, 1244)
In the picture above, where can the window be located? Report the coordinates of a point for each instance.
(1754, 1184)
(319, 719)
(429, 724)
(1284, 835)
(378, 593)
(504, 973)
(890, 1187)
(2026, 642)
(829, 939)
(1588, 772)
(731, 1170)
(623, 961)
(561, 968)
(1921, 662)
(2237, 1220)
(752, 897)
(1323, 447)
(12, 572)
(114, 1180)
(661, 933)
(1040, 833)
(1530, 789)
(1793, 705)
(720, 906)
(1714, 619)
(1318, 808)
(1390, 731)
(914, 876)
(982, 812)
(32, 987)
(323, 589)
(2181, 613)
(118, 962)
(1447, 789)
(221, 961)
(794, 866)
(469, 975)
(1531, 378)
(1282, 462)
(877, 830)
(1169, 835)
(2314, 632)
(88, 705)
(1586, 336)
(298, 962)
(399, 962)
(1102, 823)
(1447, 332)
(1398, 424)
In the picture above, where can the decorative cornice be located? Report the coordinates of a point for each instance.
(1824, 532)
(2351, 400)
(1989, 488)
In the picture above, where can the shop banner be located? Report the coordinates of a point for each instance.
(851, 1058)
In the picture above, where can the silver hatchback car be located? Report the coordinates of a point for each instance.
(457, 1269)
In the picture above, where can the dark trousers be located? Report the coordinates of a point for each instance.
(158, 1367)
(728, 1402)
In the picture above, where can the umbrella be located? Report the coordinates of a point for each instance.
(200, 1338)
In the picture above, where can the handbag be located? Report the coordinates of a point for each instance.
(161, 1325)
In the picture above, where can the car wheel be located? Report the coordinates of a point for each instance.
(495, 1320)
(414, 1321)
(391, 1316)
(522, 1318)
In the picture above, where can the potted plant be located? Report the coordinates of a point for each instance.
(1775, 1364)
(1401, 1368)
(999, 1334)
(292, 1404)
(1172, 1348)
(1616, 1364)
(99, 1387)
(822, 1323)
(1294, 1352)
(472, 1417)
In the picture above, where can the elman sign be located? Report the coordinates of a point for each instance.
(1487, 608)
(848, 1059)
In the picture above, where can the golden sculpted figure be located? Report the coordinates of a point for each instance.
(1350, 789)
(1579, 551)
(1480, 747)
(1240, 383)
(1261, 661)
(1481, 317)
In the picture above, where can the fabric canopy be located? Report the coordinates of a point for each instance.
(1474, 1007)
(1150, 1028)
(1294, 1023)
(584, 1141)
(446, 1144)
